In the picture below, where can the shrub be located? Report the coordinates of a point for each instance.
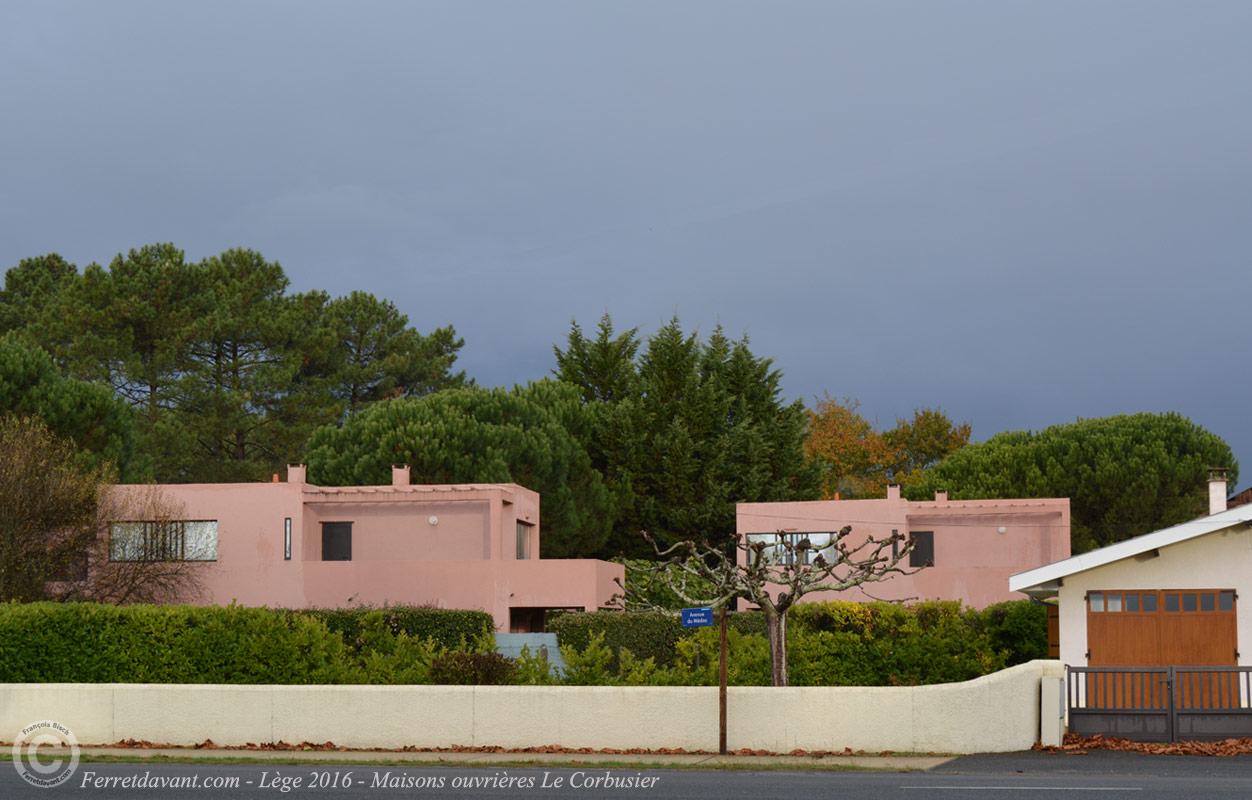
(1018, 629)
(697, 659)
(842, 643)
(446, 627)
(89, 643)
(591, 665)
(830, 644)
(471, 669)
(533, 669)
(646, 634)
(390, 659)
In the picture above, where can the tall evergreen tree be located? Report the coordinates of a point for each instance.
(29, 289)
(684, 431)
(239, 367)
(604, 367)
(130, 327)
(378, 356)
(98, 426)
(228, 374)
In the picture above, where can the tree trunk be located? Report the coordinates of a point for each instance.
(776, 626)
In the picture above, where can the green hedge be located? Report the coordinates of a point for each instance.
(88, 643)
(1018, 628)
(829, 644)
(646, 634)
(885, 644)
(445, 626)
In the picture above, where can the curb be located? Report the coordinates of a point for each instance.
(893, 763)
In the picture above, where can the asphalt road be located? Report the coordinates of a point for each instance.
(1018, 775)
(1103, 762)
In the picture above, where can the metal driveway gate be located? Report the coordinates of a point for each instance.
(1160, 704)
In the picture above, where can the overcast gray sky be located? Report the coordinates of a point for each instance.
(1023, 212)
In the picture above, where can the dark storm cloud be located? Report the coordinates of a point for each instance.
(1023, 212)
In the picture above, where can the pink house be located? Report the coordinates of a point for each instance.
(972, 545)
(295, 545)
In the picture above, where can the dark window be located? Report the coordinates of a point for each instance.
(1206, 602)
(923, 554)
(1132, 602)
(1188, 601)
(1225, 601)
(336, 541)
(1171, 603)
(1149, 602)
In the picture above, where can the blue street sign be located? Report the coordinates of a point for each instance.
(697, 617)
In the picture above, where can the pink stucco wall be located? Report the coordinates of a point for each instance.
(449, 546)
(973, 556)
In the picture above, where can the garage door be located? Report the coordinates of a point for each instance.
(1170, 627)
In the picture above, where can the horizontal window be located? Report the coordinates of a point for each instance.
(173, 540)
(792, 548)
(1175, 602)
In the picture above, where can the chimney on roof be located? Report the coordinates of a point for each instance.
(941, 497)
(399, 474)
(893, 491)
(1217, 490)
(295, 473)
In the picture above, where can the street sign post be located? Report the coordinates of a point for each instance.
(703, 618)
(721, 689)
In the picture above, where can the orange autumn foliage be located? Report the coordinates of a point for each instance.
(859, 461)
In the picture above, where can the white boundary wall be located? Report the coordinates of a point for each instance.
(994, 713)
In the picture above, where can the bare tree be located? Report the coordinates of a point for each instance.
(55, 514)
(146, 574)
(47, 509)
(773, 575)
